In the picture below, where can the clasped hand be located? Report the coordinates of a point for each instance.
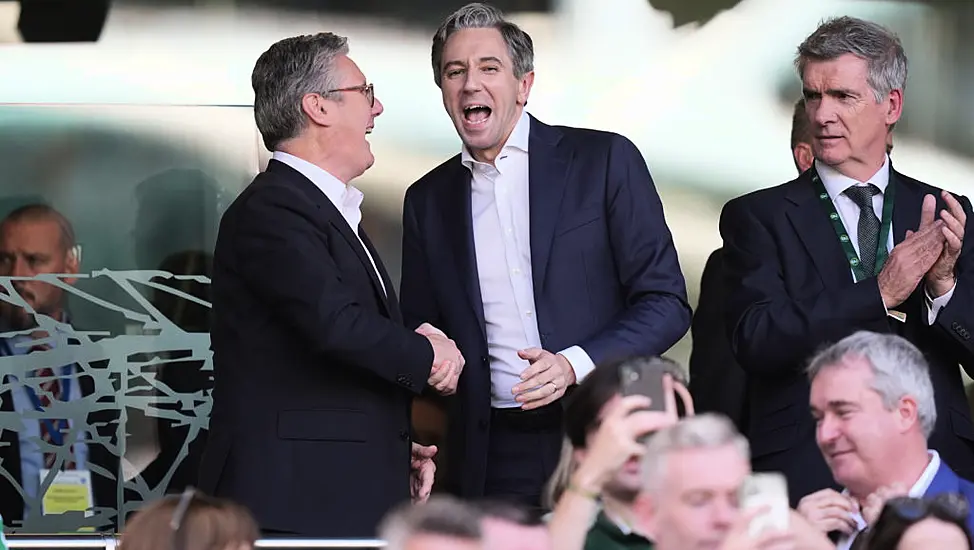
(447, 360)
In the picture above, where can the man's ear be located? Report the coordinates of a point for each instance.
(72, 263)
(319, 110)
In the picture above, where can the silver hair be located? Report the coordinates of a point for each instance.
(284, 74)
(440, 515)
(899, 369)
(484, 16)
(878, 46)
(704, 431)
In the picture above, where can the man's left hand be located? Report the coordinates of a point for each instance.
(423, 470)
(545, 380)
(940, 279)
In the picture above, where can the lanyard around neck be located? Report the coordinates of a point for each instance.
(850, 251)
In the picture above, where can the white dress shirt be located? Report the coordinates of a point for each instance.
(918, 490)
(346, 198)
(502, 239)
(835, 184)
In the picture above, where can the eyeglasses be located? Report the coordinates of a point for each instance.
(947, 506)
(176, 523)
(367, 89)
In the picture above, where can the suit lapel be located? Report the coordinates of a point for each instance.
(811, 222)
(458, 218)
(548, 166)
(334, 217)
(392, 303)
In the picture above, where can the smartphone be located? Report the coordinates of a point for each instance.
(766, 489)
(645, 378)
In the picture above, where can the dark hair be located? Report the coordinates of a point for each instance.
(585, 403)
(899, 514)
(801, 127)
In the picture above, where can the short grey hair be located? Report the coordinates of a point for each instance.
(898, 367)
(484, 16)
(878, 46)
(704, 431)
(440, 515)
(284, 74)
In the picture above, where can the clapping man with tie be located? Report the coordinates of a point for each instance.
(314, 371)
(849, 245)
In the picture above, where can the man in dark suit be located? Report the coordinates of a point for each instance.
(314, 371)
(35, 240)
(541, 250)
(806, 265)
(717, 382)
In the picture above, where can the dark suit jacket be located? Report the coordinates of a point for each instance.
(790, 292)
(314, 372)
(717, 382)
(101, 459)
(605, 273)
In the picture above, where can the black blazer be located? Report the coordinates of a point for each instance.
(102, 461)
(605, 272)
(717, 382)
(790, 292)
(314, 372)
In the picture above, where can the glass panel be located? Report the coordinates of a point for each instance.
(109, 216)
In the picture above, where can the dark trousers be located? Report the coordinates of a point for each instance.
(524, 450)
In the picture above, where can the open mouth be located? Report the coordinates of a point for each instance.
(368, 130)
(476, 114)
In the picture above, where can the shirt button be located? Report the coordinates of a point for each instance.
(529, 313)
(516, 271)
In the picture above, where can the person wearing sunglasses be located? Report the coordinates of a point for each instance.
(907, 523)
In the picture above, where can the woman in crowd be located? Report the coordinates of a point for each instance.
(192, 521)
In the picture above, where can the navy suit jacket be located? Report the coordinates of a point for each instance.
(605, 272)
(946, 481)
(789, 291)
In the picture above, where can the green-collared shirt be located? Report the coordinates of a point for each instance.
(606, 535)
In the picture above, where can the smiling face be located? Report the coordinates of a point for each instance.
(854, 430)
(348, 117)
(480, 91)
(850, 127)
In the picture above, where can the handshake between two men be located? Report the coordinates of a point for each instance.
(544, 381)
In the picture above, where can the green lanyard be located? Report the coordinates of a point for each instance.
(850, 252)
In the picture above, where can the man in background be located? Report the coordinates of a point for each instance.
(717, 382)
(37, 240)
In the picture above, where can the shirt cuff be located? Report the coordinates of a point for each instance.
(934, 305)
(580, 361)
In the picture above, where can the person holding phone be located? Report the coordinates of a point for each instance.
(606, 420)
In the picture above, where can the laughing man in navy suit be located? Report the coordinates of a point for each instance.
(873, 402)
(541, 250)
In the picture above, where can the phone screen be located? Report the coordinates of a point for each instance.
(766, 489)
(645, 378)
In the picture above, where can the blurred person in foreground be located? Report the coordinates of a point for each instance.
(442, 523)
(542, 250)
(849, 245)
(693, 473)
(873, 405)
(37, 240)
(920, 524)
(598, 492)
(314, 371)
(191, 521)
(508, 526)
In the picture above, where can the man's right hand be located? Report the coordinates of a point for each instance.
(447, 360)
(910, 260)
(827, 510)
